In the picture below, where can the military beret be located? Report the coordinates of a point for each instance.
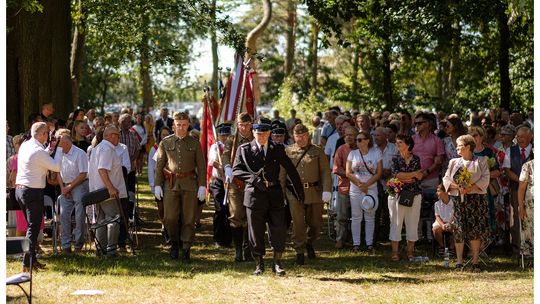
(300, 129)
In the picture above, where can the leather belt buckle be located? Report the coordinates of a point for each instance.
(306, 185)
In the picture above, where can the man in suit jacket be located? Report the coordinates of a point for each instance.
(258, 164)
(163, 120)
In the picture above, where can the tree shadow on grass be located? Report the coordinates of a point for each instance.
(381, 279)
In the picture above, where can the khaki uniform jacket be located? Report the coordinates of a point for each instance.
(226, 156)
(180, 156)
(314, 167)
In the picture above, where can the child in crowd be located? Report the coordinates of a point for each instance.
(444, 216)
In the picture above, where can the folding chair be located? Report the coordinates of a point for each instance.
(331, 211)
(53, 223)
(427, 213)
(482, 255)
(97, 197)
(16, 246)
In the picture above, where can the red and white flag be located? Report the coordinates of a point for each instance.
(231, 100)
(207, 133)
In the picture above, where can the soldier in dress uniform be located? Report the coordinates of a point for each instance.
(258, 163)
(312, 165)
(235, 194)
(181, 171)
(222, 227)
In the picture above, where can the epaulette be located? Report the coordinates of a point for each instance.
(245, 145)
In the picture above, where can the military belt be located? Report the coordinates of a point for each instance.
(309, 185)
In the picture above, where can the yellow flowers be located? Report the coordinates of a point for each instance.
(394, 186)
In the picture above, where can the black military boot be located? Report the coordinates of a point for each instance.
(185, 256)
(173, 252)
(259, 268)
(247, 251)
(310, 251)
(276, 267)
(300, 259)
(238, 235)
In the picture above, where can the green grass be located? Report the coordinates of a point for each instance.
(213, 277)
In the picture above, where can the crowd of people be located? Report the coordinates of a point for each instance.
(434, 173)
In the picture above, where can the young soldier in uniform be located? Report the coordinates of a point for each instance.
(181, 169)
(258, 164)
(237, 210)
(312, 165)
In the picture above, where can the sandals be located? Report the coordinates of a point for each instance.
(395, 256)
(459, 267)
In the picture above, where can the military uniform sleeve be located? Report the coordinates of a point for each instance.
(200, 164)
(160, 164)
(239, 168)
(226, 156)
(324, 169)
(287, 164)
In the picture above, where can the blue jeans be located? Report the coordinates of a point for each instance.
(66, 207)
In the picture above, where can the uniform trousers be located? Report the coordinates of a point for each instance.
(264, 208)
(357, 214)
(31, 202)
(180, 205)
(237, 210)
(307, 223)
(222, 228)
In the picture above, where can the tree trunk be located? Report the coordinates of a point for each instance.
(38, 62)
(504, 57)
(215, 60)
(354, 76)
(144, 69)
(77, 53)
(290, 36)
(313, 56)
(251, 45)
(387, 77)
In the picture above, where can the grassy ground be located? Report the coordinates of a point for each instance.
(212, 276)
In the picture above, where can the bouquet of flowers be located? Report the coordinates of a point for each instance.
(463, 179)
(394, 186)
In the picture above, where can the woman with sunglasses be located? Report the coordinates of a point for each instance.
(405, 167)
(363, 169)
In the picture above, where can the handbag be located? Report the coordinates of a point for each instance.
(95, 197)
(406, 198)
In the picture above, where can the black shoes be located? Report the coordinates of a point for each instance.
(259, 268)
(310, 251)
(300, 260)
(185, 255)
(276, 267)
(173, 252)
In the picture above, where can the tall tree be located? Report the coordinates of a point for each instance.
(290, 36)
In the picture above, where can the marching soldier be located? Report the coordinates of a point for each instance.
(180, 169)
(237, 210)
(312, 165)
(258, 164)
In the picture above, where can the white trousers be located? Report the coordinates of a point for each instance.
(357, 214)
(400, 214)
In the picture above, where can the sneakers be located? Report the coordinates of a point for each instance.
(356, 249)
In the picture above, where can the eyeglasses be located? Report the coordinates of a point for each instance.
(359, 139)
(417, 123)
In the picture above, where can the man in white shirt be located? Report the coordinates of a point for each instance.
(105, 171)
(73, 185)
(33, 164)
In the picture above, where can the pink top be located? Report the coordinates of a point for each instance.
(340, 162)
(427, 149)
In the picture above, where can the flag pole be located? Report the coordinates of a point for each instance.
(239, 108)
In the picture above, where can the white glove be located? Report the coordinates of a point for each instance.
(326, 196)
(158, 192)
(228, 174)
(201, 194)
